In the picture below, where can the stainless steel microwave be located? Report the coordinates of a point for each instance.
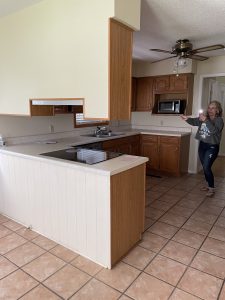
(171, 106)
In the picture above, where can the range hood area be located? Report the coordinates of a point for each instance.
(53, 106)
(57, 102)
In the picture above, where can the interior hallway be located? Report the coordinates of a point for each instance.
(181, 255)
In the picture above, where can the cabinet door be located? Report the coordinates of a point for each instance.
(144, 96)
(178, 83)
(162, 83)
(169, 154)
(149, 148)
(120, 62)
(133, 93)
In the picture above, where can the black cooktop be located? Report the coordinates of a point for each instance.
(83, 155)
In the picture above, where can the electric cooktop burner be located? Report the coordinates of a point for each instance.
(83, 155)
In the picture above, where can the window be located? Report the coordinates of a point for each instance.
(79, 120)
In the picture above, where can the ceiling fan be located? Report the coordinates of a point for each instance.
(183, 49)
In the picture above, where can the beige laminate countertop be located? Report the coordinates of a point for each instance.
(109, 167)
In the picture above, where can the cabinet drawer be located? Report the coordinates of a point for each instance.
(170, 140)
(149, 138)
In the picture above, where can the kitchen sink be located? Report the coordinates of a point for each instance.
(102, 136)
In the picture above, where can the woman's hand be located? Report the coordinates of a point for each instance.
(202, 117)
(183, 117)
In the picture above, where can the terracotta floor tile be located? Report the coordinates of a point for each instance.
(12, 225)
(210, 209)
(203, 217)
(67, 281)
(163, 229)
(148, 222)
(159, 188)
(221, 222)
(181, 295)
(153, 213)
(40, 293)
(223, 213)
(65, 254)
(3, 219)
(124, 298)
(222, 294)
(10, 242)
(177, 193)
(166, 269)
(197, 226)
(181, 211)
(161, 205)
(214, 247)
(139, 257)
(44, 243)
(189, 238)
(200, 284)
(44, 266)
(6, 267)
(171, 199)
(152, 242)
(16, 285)
(27, 233)
(153, 195)
(216, 202)
(86, 265)
(4, 231)
(120, 277)
(148, 287)
(172, 219)
(178, 252)
(218, 233)
(210, 264)
(96, 290)
(24, 254)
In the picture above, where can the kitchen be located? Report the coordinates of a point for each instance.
(16, 128)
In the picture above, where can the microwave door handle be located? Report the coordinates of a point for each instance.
(173, 106)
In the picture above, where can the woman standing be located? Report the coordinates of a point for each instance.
(210, 126)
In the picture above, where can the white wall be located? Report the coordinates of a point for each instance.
(128, 12)
(58, 49)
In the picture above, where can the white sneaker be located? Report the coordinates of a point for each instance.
(211, 192)
(204, 188)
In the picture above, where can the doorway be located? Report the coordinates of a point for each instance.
(213, 88)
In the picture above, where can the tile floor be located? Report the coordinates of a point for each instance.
(181, 255)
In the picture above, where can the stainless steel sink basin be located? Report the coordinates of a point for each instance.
(102, 136)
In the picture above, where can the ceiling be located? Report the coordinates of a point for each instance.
(165, 21)
(9, 6)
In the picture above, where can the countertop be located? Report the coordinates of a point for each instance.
(109, 167)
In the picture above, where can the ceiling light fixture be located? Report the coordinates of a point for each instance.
(179, 64)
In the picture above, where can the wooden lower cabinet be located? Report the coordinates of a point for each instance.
(127, 210)
(167, 155)
(125, 145)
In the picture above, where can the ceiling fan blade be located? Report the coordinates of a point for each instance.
(208, 48)
(197, 57)
(163, 59)
(160, 50)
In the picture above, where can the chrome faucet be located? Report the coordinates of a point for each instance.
(101, 130)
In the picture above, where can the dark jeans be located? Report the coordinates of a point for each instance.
(207, 154)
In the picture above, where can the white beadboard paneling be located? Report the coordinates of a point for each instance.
(69, 206)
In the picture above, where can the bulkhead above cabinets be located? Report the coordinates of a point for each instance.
(51, 107)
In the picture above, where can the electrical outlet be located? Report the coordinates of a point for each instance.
(51, 128)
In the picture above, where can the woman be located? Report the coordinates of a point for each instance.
(210, 126)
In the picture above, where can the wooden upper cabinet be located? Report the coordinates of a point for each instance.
(144, 94)
(162, 83)
(179, 83)
(120, 64)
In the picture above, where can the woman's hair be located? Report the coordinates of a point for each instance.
(218, 107)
